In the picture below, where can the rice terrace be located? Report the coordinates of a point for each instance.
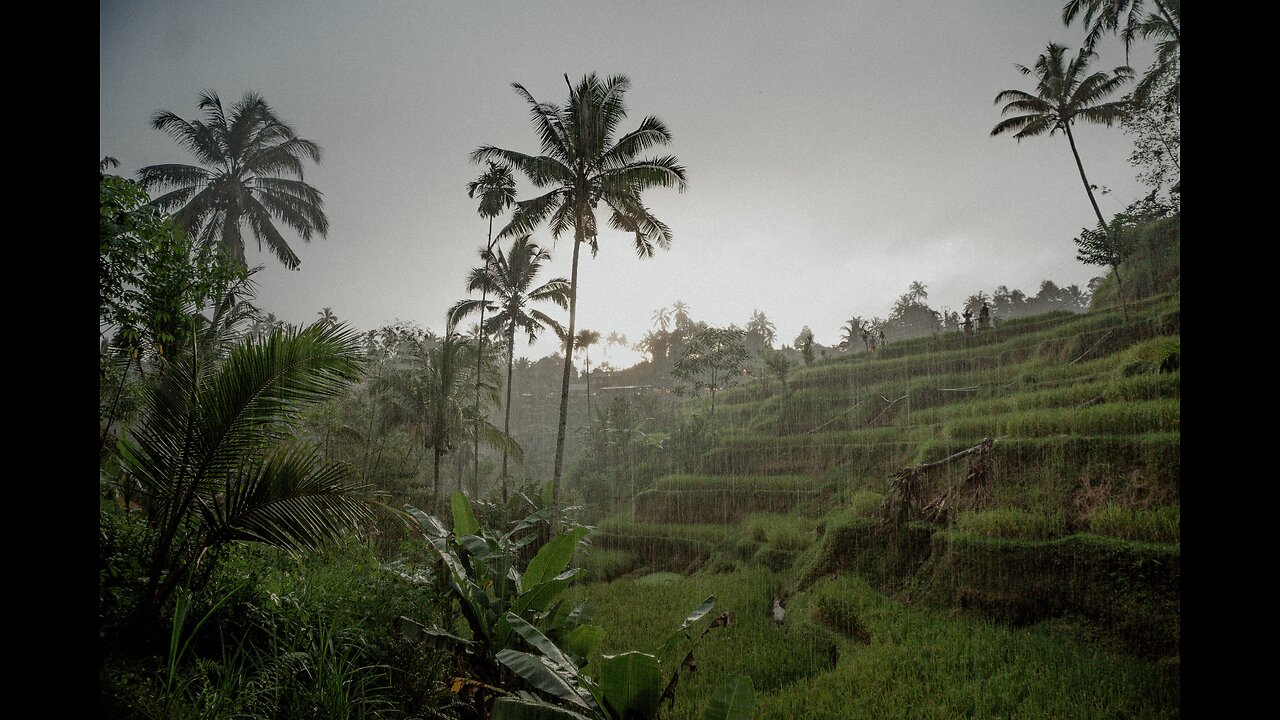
(822, 363)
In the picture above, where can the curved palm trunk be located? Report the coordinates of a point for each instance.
(564, 385)
(506, 424)
(1124, 308)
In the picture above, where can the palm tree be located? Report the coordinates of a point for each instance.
(1101, 16)
(585, 339)
(252, 176)
(431, 380)
(212, 452)
(327, 317)
(854, 329)
(917, 292)
(661, 318)
(681, 310)
(1125, 17)
(761, 325)
(1063, 95)
(974, 302)
(497, 190)
(583, 165)
(511, 277)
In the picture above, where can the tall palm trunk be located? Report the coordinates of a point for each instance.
(435, 475)
(1124, 309)
(484, 298)
(564, 383)
(506, 424)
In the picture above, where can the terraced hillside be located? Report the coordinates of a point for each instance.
(1069, 515)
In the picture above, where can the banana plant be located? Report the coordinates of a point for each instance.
(630, 685)
(499, 602)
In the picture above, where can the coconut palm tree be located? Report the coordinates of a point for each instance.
(511, 277)
(432, 382)
(917, 292)
(251, 175)
(761, 326)
(661, 318)
(681, 310)
(497, 191)
(327, 317)
(585, 339)
(1101, 16)
(854, 329)
(582, 165)
(1126, 18)
(1063, 95)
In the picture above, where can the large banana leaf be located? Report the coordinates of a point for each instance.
(553, 557)
(464, 520)
(630, 684)
(540, 674)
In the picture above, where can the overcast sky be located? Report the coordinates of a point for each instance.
(836, 151)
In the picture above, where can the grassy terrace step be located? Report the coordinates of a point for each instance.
(916, 664)
(855, 459)
(721, 499)
(1130, 589)
(836, 406)
(1131, 418)
(663, 546)
(1071, 396)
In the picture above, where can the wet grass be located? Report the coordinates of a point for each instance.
(845, 650)
(924, 665)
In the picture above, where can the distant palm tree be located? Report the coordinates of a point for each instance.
(585, 339)
(681, 310)
(854, 329)
(584, 165)
(661, 319)
(917, 292)
(616, 338)
(253, 176)
(497, 190)
(511, 277)
(762, 326)
(327, 317)
(974, 302)
(431, 380)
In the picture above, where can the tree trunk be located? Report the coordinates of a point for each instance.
(506, 423)
(484, 300)
(1124, 309)
(564, 383)
(435, 475)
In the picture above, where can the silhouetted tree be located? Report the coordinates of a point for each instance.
(584, 164)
